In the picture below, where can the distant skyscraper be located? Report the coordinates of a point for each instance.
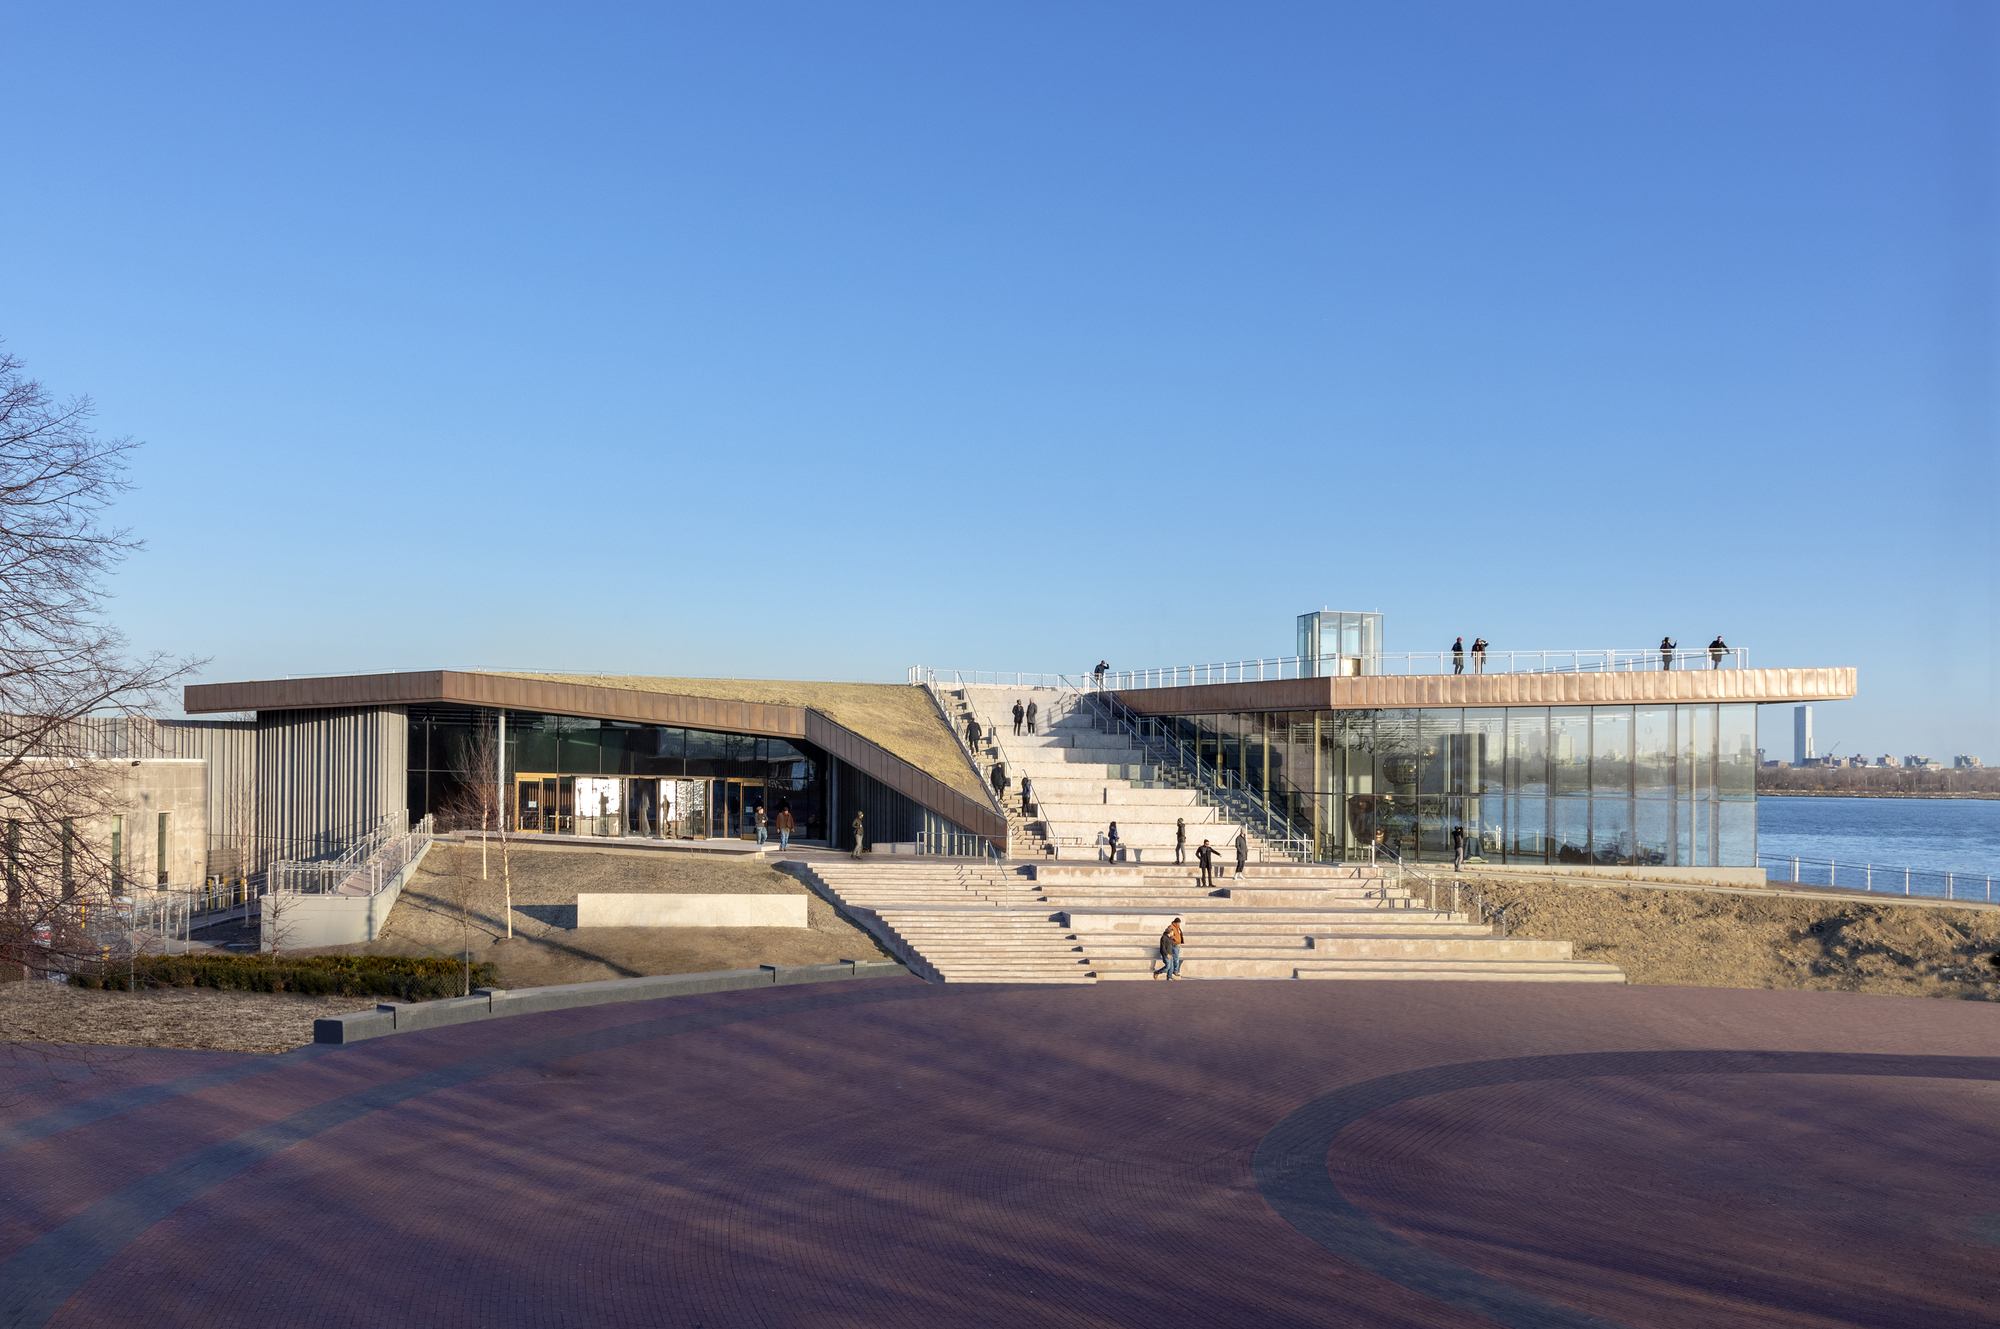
(1802, 744)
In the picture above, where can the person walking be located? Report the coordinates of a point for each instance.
(1170, 951)
(763, 828)
(1027, 796)
(1458, 849)
(999, 779)
(1242, 851)
(1111, 839)
(1716, 650)
(1667, 648)
(1180, 841)
(1458, 655)
(1479, 655)
(972, 732)
(785, 826)
(1205, 858)
(857, 835)
(1018, 714)
(1031, 717)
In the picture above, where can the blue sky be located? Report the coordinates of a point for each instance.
(817, 341)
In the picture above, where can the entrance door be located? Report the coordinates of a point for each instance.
(545, 804)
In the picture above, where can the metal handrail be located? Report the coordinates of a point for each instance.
(972, 760)
(1978, 886)
(1425, 663)
(1486, 909)
(1151, 736)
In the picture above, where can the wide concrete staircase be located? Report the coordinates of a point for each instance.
(1062, 922)
(1085, 779)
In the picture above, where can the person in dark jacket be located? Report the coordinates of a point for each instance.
(1205, 857)
(1111, 839)
(1018, 715)
(1180, 841)
(1458, 849)
(999, 779)
(972, 733)
(1716, 650)
(1242, 851)
(1667, 648)
(1458, 655)
(1027, 797)
(1103, 667)
(1031, 717)
(1170, 951)
(1479, 655)
(785, 827)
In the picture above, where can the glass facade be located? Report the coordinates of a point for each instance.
(1669, 786)
(572, 776)
(1335, 643)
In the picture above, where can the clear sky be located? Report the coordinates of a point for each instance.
(820, 340)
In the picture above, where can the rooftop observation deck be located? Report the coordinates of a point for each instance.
(1437, 678)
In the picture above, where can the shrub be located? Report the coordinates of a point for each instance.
(413, 978)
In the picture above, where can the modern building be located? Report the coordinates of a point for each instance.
(1599, 758)
(1802, 735)
(1965, 763)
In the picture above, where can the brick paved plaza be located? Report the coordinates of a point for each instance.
(891, 1153)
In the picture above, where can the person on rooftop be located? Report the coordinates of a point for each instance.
(1458, 655)
(1031, 717)
(1667, 648)
(1479, 655)
(1716, 650)
(1018, 713)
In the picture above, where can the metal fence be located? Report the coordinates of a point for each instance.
(1782, 869)
(364, 868)
(1610, 660)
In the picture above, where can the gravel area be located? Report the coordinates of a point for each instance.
(38, 1011)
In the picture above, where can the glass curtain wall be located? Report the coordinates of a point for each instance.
(574, 776)
(1668, 786)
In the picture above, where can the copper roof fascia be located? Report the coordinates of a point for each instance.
(1388, 692)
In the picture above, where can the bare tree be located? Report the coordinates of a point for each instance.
(61, 666)
(477, 805)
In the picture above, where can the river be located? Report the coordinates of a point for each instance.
(1927, 834)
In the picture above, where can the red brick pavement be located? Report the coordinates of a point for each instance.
(894, 1154)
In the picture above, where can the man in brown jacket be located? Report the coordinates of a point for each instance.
(785, 825)
(1170, 950)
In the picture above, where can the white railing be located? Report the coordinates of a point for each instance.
(1611, 660)
(1786, 869)
(365, 868)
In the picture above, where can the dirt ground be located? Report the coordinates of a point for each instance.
(203, 1018)
(548, 947)
(1712, 939)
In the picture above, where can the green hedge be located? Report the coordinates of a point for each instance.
(413, 978)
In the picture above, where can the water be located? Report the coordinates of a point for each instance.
(1928, 834)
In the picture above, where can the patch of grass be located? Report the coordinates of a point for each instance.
(413, 978)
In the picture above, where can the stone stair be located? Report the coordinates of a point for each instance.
(1062, 922)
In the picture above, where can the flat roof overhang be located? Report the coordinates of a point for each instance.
(452, 687)
(1395, 692)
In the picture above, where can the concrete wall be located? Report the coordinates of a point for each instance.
(300, 922)
(690, 911)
